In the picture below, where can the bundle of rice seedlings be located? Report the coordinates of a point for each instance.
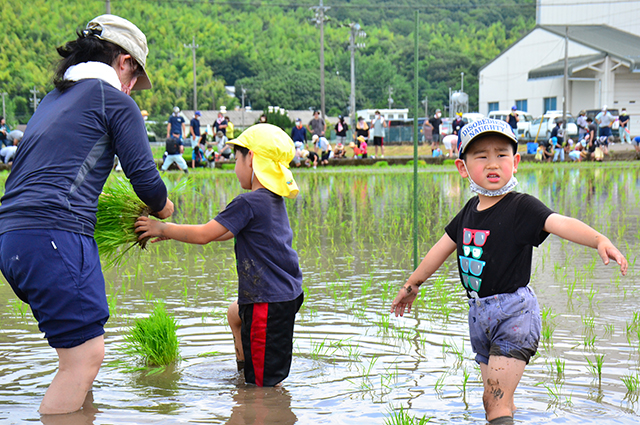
(118, 209)
(154, 339)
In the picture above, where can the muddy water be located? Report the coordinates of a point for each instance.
(353, 362)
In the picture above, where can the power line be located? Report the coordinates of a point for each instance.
(480, 5)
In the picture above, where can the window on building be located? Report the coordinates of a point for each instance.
(550, 104)
(494, 106)
(521, 105)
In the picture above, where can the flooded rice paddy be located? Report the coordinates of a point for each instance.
(353, 361)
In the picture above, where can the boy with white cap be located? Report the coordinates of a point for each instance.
(493, 236)
(269, 277)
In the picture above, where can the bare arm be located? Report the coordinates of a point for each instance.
(431, 262)
(576, 231)
(195, 234)
(168, 129)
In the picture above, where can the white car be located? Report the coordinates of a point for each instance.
(470, 117)
(524, 120)
(546, 123)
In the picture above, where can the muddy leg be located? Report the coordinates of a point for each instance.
(500, 377)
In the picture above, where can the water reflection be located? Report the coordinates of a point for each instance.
(262, 406)
(85, 416)
(352, 361)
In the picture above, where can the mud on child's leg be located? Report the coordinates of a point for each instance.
(500, 378)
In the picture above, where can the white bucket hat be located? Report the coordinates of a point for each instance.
(123, 33)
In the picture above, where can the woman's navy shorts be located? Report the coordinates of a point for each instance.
(58, 274)
(267, 340)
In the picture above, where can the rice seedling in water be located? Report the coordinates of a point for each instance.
(632, 382)
(559, 367)
(401, 417)
(596, 369)
(118, 209)
(154, 339)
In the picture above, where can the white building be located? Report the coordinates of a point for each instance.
(603, 61)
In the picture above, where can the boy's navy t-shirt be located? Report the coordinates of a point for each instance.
(495, 257)
(268, 267)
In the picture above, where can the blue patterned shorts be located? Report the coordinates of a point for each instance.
(506, 325)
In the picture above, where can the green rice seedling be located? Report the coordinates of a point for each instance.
(19, 308)
(588, 323)
(548, 327)
(609, 329)
(559, 367)
(118, 209)
(570, 288)
(465, 380)
(380, 164)
(421, 163)
(632, 382)
(440, 382)
(154, 339)
(596, 368)
(401, 417)
(589, 341)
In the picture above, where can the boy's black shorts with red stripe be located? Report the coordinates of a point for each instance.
(267, 340)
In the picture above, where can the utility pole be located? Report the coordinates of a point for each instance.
(108, 5)
(193, 46)
(461, 82)
(320, 19)
(244, 93)
(565, 82)
(426, 106)
(355, 32)
(390, 99)
(4, 109)
(35, 91)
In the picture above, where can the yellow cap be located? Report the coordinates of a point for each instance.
(273, 150)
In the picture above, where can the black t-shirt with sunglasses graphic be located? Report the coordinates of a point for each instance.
(495, 245)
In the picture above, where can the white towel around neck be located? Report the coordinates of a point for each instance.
(100, 70)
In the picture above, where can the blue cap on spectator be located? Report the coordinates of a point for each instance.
(198, 113)
(513, 108)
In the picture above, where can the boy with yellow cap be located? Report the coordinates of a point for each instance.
(269, 277)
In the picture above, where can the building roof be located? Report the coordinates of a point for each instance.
(556, 69)
(621, 45)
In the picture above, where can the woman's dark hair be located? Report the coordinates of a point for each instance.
(87, 47)
(244, 151)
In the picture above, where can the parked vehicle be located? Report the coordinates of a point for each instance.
(445, 127)
(546, 123)
(524, 120)
(470, 117)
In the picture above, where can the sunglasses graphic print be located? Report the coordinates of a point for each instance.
(470, 263)
(478, 237)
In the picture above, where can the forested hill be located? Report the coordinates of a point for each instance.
(271, 48)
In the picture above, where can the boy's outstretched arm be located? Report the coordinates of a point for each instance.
(196, 234)
(431, 262)
(576, 231)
